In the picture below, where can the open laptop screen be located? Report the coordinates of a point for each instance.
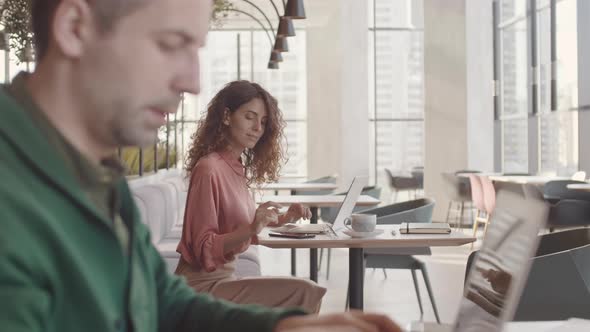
(497, 275)
(350, 200)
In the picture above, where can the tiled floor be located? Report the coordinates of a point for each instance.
(394, 295)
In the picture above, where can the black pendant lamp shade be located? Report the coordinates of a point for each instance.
(286, 28)
(273, 65)
(276, 56)
(281, 44)
(295, 9)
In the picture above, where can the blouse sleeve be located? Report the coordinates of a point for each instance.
(202, 236)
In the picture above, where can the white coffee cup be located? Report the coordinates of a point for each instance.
(361, 222)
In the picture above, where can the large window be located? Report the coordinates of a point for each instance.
(396, 94)
(514, 82)
(557, 139)
(559, 128)
(221, 62)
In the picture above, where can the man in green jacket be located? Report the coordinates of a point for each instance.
(74, 255)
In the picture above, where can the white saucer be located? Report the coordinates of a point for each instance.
(352, 233)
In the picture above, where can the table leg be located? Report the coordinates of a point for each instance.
(313, 252)
(293, 262)
(293, 254)
(356, 268)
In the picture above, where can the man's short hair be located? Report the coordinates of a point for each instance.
(106, 12)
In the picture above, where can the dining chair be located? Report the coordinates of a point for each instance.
(489, 198)
(419, 210)
(481, 215)
(458, 191)
(402, 183)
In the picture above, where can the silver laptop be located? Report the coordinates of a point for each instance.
(344, 211)
(498, 274)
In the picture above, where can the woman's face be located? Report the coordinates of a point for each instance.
(246, 124)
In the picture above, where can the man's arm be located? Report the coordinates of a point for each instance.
(24, 302)
(181, 309)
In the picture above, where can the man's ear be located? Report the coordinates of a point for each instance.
(73, 27)
(226, 116)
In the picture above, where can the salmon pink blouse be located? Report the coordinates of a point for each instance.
(218, 202)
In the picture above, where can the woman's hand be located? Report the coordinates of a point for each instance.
(267, 213)
(296, 211)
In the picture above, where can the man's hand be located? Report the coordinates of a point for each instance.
(348, 321)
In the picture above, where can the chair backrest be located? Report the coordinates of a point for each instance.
(389, 176)
(476, 192)
(569, 212)
(489, 194)
(457, 188)
(373, 191)
(418, 174)
(151, 202)
(552, 243)
(579, 176)
(405, 182)
(418, 210)
(562, 261)
(328, 214)
(181, 187)
(557, 190)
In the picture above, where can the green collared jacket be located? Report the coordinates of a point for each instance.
(62, 267)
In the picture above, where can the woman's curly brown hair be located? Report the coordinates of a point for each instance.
(264, 161)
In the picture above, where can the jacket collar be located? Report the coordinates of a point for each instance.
(17, 129)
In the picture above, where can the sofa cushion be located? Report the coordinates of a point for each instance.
(150, 202)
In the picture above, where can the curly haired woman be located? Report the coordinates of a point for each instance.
(237, 145)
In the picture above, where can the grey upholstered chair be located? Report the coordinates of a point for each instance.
(568, 207)
(419, 210)
(558, 286)
(403, 183)
(554, 191)
(418, 174)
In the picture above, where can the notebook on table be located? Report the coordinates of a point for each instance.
(344, 211)
(424, 228)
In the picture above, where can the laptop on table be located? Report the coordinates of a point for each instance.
(344, 211)
(499, 272)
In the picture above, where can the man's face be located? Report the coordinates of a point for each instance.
(132, 76)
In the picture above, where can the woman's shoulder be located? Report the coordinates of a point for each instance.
(208, 164)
